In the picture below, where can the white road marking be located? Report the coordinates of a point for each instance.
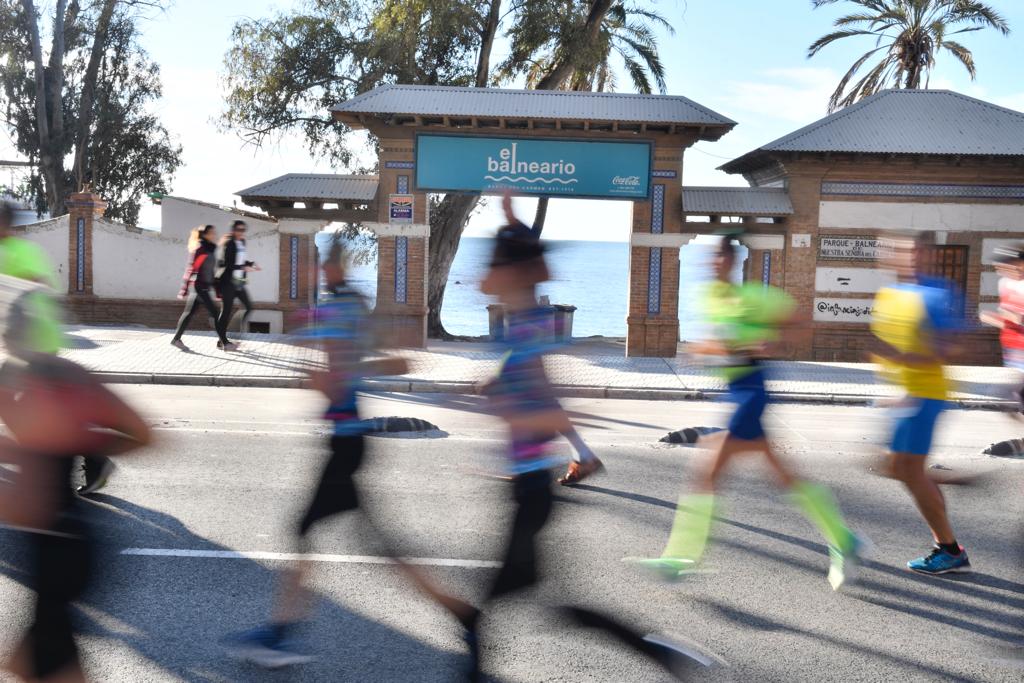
(312, 557)
(251, 432)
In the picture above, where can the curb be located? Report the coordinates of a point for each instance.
(562, 390)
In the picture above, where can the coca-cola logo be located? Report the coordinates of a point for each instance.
(630, 180)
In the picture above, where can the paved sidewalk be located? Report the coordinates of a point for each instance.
(587, 368)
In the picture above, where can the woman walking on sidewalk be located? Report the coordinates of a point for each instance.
(202, 247)
(232, 279)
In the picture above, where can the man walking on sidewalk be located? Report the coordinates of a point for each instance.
(912, 322)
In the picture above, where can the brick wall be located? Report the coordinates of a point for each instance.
(848, 341)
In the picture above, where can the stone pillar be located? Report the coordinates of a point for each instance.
(653, 319)
(402, 255)
(83, 208)
(299, 266)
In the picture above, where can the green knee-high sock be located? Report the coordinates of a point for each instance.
(819, 505)
(691, 527)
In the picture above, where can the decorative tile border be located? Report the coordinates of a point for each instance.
(401, 269)
(663, 174)
(924, 190)
(399, 164)
(80, 254)
(293, 275)
(654, 282)
(658, 209)
(402, 185)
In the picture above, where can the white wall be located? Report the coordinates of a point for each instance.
(179, 216)
(921, 216)
(52, 236)
(857, 280)
(131, 265)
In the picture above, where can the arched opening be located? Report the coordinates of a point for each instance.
(694, 274)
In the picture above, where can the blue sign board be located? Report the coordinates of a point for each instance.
(544, 167)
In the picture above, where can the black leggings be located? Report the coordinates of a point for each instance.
(60, 566)
(533, 508)
(229, 291)
(199, 296)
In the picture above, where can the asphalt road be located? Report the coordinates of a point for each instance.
(231, 470)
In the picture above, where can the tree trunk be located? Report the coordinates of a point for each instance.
(447, 222)
(85, 109)
(55, 85)
(562, 72)
(540, 216)
(483, 65)
(48, 164)
(449, 219)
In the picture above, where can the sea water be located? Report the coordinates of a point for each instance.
(592, 276)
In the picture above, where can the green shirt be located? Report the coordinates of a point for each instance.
(26, 260)
(744, 315)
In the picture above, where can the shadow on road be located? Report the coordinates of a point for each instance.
(175, 616)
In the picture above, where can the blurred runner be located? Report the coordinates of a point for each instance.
(523, 397)
(199, 276)
(745, 320)
(342, 329)
(54, 410)
(232, 279)
(26, 260)
(912, 323)
(1010, 315)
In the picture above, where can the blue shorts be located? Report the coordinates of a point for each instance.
(915, 425)
(750, 397)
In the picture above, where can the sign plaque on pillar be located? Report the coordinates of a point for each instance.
(400, 208)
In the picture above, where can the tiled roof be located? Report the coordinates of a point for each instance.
(315, 186)
(736, 201)
(937, 122)
(421, 100)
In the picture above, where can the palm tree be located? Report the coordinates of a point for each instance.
(553, 34)
(908, 34)
(627, 33)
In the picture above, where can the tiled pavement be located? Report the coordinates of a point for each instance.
(585, 368)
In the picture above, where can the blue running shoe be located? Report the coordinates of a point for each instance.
(941, 562)
(262, 647)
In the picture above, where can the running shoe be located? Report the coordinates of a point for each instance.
(941, 562)
(844, 565)
(179, 344)
(578, 471)
(668, 568)
(263, 648)
(95, 483)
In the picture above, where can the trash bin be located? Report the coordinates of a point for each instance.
(496, 321)
(563, 322)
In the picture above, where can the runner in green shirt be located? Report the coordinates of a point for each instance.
(744, 321)
(26, 260)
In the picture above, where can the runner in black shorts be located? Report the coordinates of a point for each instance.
(341, 330)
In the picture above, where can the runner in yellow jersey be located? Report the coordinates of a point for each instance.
(911, 320)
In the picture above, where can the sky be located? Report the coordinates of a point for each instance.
(745, 59)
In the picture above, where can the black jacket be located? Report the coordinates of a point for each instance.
(228, 261)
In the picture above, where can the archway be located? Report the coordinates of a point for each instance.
(543, 143)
